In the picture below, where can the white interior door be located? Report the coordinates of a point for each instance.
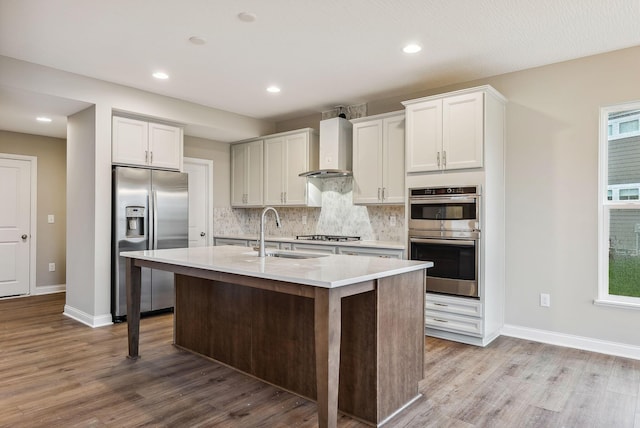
(15, 231)
(200, 201)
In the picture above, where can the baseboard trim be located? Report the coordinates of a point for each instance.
(84, 318)
(50, 289)
(572, 341)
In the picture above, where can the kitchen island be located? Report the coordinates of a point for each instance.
(347, 332)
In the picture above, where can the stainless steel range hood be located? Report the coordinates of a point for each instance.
(336, 136)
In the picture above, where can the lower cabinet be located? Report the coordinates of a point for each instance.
(453, 314)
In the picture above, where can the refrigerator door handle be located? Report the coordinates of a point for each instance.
(154, 214)
(150, 230)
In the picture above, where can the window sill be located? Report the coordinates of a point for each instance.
(617, 304)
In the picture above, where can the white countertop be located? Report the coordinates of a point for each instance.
(329, 271)
(292, 239)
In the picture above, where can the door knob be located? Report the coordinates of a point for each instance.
(24, 236)
(201, 233)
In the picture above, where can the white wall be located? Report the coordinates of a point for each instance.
(220, 154)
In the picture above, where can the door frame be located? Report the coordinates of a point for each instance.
(208, 164)
(33, 218)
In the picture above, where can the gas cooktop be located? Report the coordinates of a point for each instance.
(327, 238)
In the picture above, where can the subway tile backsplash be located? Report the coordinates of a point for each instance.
(338, 216)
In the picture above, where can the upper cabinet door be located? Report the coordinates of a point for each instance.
(296, 160)
(165, 146)
(238, 174)
(254, 173)
(367, 162)
(393, 160)
(463, 131)
(274, 170)
(129, 141)
(424, 136)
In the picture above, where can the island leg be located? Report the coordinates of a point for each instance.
(327, 341)
(133, 283)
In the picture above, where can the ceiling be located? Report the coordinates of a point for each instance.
(321, 53)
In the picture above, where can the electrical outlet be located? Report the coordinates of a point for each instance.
(304, 219)
(545, 300)
(52, 267)
(51, 218)
(392, 220)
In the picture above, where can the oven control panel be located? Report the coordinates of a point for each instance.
(437, 191)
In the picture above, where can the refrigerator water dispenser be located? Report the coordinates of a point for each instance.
(135, 221)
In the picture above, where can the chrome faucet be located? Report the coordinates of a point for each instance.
(261, 252)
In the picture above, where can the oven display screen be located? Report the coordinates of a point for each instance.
(444, 211)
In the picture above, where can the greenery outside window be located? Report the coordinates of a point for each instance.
(619, 206)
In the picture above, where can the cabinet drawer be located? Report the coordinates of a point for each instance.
(451, 322)
(318, 248)
(230, 241)
(375, 252)
(453, 305)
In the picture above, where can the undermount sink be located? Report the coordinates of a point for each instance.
(293, 255)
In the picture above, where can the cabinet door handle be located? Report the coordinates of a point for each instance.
(383, 193)
(146, 156)
(438, 159)
(285, 197)
(439, 304)
(444, 159)
(378, 193)
(440, 320)
(151, 157)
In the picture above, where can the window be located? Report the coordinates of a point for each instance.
(619, 214)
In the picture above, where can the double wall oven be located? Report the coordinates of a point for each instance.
(444, 227)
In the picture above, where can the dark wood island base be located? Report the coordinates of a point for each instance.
(270, 335)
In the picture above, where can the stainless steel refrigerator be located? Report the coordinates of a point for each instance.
(150, 211)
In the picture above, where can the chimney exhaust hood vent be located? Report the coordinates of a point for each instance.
(336, 136)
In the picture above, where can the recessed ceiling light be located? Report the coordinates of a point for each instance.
(273, 89)
(160, 75)
(247, 16)
(197, 40)
(412, 48)
(43, 119)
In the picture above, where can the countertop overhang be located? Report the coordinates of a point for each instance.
(329, 271)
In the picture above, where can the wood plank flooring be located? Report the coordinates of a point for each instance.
(56, 372)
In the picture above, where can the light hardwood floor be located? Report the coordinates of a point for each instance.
(55, 372)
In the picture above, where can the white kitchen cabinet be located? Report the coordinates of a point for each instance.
(473, 321)
(445, 132)
(246, 174)
(141, 143)
(286, 155)
(378, 159)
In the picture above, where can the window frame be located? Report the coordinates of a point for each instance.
(604, 208)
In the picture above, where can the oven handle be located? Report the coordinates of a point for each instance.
(457, 242)
(447, 200)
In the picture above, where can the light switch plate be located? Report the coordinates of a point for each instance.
(51, 218)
